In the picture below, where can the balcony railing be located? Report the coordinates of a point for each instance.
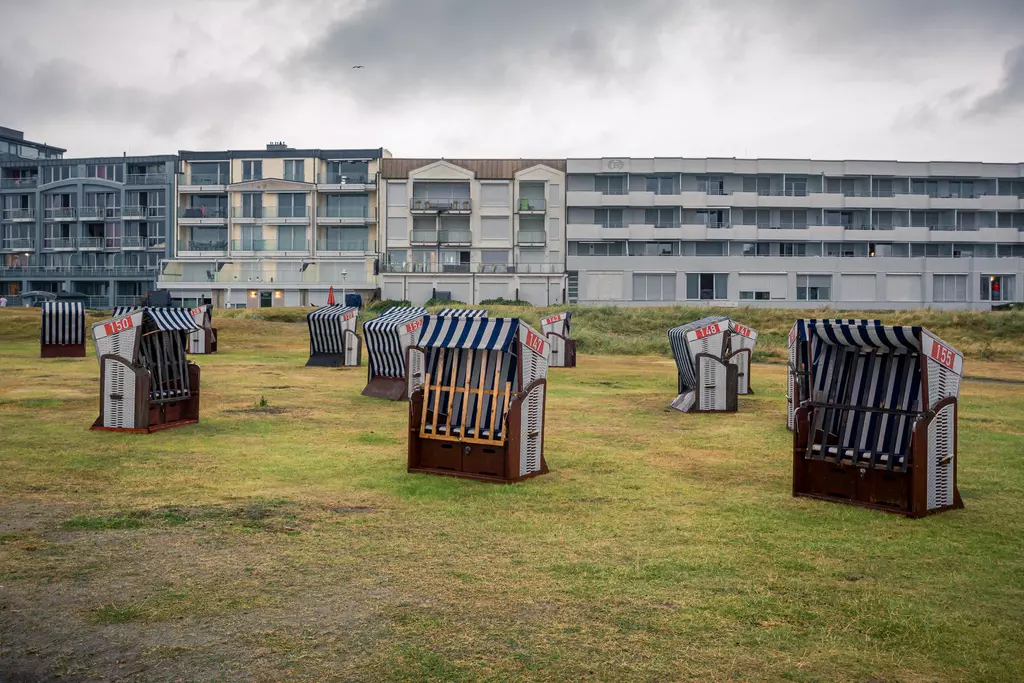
(455, 236)
(334, 212)
(18, 244)
(141, 242)
(484, 268)
(19, 214)
(947, 227)
(715, 191)
(256, 212)
(423, 236)
(193, 179)
(269, 245)
(144, 211)
(531, 237)
(663, 224)
(342, 245)
(17, 183)
(99, 301)
(146, 179)
(344, 179)
(78, 271)
(209, 245)
(615, 191)
(58, 243)
(202, 212)
(462, 204)
(131, 300)
(98, 212)
(611, 224)
(90, 242)
(717, 224)
(527, 205)
(66, 213)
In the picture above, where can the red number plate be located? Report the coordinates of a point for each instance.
(413, 326)
(708, 331)
(535, 342)
(195, 311)
(119, 325)
(943, 355)
(552, 319)
(792, 336)
(740, 329)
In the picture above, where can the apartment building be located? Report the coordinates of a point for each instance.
(14, 146)
(96, 226)
(472, 230)
(795, 233)
(274, 227)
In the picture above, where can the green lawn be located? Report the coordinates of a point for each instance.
(288, 543)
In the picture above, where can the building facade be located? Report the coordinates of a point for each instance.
(794, 233)
(14, 147)
(472, 230)
(97, 227)
(274, 227)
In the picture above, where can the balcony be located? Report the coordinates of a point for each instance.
(141, 212)
(343, 216)
(90, 243)
(345, 182)
(61, 214)
(531, 238)
(210, 247)
(202, 215)
(18, 183)
(79, 271)
(98, 212)
(101, 301)
(455, 237)
(59, 243)
(423, 237)
(25, 244)
(283, 214)
(269, 245)
(19, 214)
(449, 205)
(146, 179)
(324, 245)
(139, 242)
(202, 182)
(480, 268)
(528, 206)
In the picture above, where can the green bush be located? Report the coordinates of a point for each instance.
(444, 304)
(505, 302)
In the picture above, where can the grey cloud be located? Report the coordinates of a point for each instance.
(1010, 92)
(451, 46)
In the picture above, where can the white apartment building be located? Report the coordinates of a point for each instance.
(794, 233)
(472, 230)
(274, 227)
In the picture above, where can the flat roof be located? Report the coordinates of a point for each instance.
(17, 136)
(223, 155)
(89, 160)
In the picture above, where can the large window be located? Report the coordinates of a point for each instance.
(713, 185)
(842, 186)
(610, 184)
(949, 288)
(654, 287)
(710, 248)
(291, 238)
(653, 248)
(796, 186)
(707, 286)
(291, 205)
(52, 174)
(761, 184)
(608, 218)
(661, 184)
(113, 172)
(295, 169)
(661, 218)
(759, 217)
(252, 205)
(813, 287)
(792, 249)
(755, 249)
(997, 288)
(597, 248)
(928, 187)
(252, 170)
(793, 218)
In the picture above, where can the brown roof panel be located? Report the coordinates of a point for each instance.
(485, 169)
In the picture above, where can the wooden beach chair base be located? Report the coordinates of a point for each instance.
(62, 350)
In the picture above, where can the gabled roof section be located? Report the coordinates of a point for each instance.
(484, 169)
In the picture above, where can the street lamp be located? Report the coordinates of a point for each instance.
(344, 274)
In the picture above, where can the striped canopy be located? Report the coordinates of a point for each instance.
(461, 313)
(866, 334)
(63, 322)
(468, 333)
(123, 310)
(172, 319)
(680, 343)
(327, 325)
(558, 323)
(383, 336)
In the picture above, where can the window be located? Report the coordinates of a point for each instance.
(252, 205)
(813, 287)
(707, 286)
(252, 238)
(654, 287)
(881, 187)
(796, 186)
(497, 227)
(714, 218)
(494, 194)
(843, 249)
(760, 184)
(661, 184)
(1011, 188)
(610, 184)
(660, 218)
(653, 249)
(53, 174)
(397, 256)
(397, 194)
(961, 188)
(1010, 250)
(597, 248)
(609, 218)
(113, 172)
(713, 185)
(291, 238)
(997, 288)
(294, 169)
(759, 217)
(207, 173)
(928, 187)
(291, 205)
(793, 219)
(710, 248)
(252, 170)
(494, 261)
(792, 249)
(949, 288)
(843, 186)
(756, 249)
(758, 295)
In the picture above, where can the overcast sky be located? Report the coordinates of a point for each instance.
(889, 79)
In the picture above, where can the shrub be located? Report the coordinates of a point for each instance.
(443, 303)
(500, 301)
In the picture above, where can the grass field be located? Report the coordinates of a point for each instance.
(287, 542)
